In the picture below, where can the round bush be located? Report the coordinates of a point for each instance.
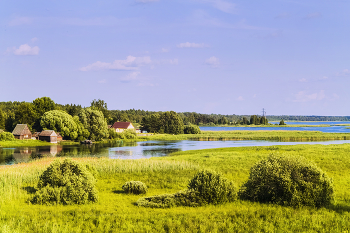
(66, 183)
(192, 129)
(291, 181)
(6, 136)
(135, 187)
(212, 188)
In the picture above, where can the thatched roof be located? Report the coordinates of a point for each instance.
(20, 128)
(48, 133)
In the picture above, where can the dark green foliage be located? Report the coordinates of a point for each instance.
(135, 187)
(101, 105)
(25, 114)
(66, 183)
(291, 181)
(2, 119)
(206, 187)
(282, 122)
(182, 198)
(94, 121)
(192, 129)
(212, 187)
(6, 136)
(166, 122)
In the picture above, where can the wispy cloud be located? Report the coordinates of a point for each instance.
(303, 80)
(240, 98)
(344, 72)
(303, 96)
(130, 63)
(164, 50)
(313, 15)
(221, 5)
(24, 50)
(192, 45)
(130, 77)
(17, 21)
(213, 62)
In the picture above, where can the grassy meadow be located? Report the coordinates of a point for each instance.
(116, 212)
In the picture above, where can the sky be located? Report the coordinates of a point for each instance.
(290, 57)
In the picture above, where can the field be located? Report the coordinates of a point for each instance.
(116, 212)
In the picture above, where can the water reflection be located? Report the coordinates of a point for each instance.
(134, 150)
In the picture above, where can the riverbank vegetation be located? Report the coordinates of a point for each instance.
(116, 211)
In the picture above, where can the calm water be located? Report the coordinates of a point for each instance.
(332, 129)
(135, 150)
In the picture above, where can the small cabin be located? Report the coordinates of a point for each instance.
(21, 132)
(121, 126)
(59, 137)
(48, 136)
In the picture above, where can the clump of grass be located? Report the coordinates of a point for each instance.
(66, 183)
(288, 180)
(206, 187)
(134, 187)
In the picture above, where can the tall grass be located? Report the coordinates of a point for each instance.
(116, 212)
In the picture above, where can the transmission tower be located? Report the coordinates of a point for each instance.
(264, 113)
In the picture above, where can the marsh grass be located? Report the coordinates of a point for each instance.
(271, 135)
(116, 211)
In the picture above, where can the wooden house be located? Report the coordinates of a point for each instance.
(121, 126)
(48, 136)
(59, 137)
(22, 132)
(35, 136)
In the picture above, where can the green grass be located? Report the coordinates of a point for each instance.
(270, 125)
(274, 135)
(116, 212)
(25, 143)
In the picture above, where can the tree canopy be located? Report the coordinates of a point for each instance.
(94, 122)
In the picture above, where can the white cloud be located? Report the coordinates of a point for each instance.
(323, 78)
(212, 61)
(302, 96)
(303, 80)
(174, 61)
(130, 63)
(24, 50)
(313, 15)
(130, 77)
(345, 72)
(33, 40)
(191, 45)
(240, 98)
(164, 50)
(221, 5)
(20, 21)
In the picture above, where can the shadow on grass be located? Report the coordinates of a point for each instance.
(29, 189)
(339, 208)
(118, 191)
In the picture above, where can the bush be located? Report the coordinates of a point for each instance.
(212, 187)
(135, 187)
(66, 183)
(192, 129)
(206, 187)
(129, 133)
(6, 136)
(291, 181)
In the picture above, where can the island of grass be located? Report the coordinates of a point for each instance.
(116, 211)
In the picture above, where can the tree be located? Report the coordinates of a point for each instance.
(95, 123)
(101, 105)
(171, 123)
(43, 104)
(2, 119)
(282, 122)
(150, 123)
(245, 121)
(62, 122)
(25, 114)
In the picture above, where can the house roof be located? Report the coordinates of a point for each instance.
(19, 129)
(121, 125)
(48, 133)
(58, 134)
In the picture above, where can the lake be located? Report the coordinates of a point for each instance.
(134, 150)
(332, 129)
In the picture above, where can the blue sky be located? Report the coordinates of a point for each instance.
(208, 56)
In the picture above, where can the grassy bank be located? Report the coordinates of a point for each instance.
(269, 125)
(23, 143)
(116, 212)
(277, 135)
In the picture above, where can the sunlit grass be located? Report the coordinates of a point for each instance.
(116, 212)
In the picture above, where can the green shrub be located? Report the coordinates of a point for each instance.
(66, 183)
(192, 129)
(129, 133)
(182, 198)
(135, 187)
(6, 136)
(291, 181)
(212, 187)
(206, 187)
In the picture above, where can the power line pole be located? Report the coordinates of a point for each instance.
(264, 113)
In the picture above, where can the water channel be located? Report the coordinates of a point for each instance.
(148, 149)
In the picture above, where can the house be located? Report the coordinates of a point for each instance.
(59, 137)
(22, 132)
(35, 136)
(48, 136)
(121, 126)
